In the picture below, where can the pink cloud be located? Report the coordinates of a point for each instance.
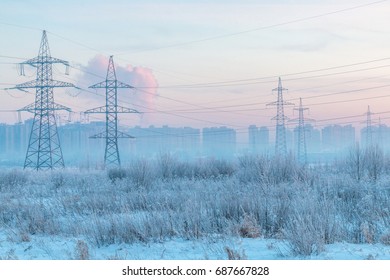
(136, 76)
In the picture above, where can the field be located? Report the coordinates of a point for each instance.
(252, 207)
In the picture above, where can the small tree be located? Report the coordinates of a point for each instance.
(355, 162)
(374, 162)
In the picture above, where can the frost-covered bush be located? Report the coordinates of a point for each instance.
(169, 167)
(385, 239)
(116, 174)
(81, 250)
(12, 179)
(253, 168)
(142, 173)
(311, 224)
(374, 162)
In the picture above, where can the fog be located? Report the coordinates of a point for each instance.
(322, 145)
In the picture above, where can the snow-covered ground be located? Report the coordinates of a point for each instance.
(257, 208)
(55, 248)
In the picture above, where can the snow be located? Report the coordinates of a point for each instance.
(56, 248)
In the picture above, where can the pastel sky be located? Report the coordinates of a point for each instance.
(207, 63)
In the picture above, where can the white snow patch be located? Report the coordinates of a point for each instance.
(56, 248)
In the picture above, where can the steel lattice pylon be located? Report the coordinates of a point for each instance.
(368, 128)
(111, 84)
(280, 138)
(301, 152)
(44, 149)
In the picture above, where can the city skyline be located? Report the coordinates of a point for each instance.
(188, 143)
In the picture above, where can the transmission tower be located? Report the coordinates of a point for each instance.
(111, 110)
(368, 128)
(280, 138)
(301, 151)
(44, 149)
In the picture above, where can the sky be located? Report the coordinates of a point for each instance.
(206, 63)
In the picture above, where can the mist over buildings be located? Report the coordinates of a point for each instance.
(187, 143)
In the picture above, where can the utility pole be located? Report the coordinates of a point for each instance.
(280, 138)
(111, 110)
(44, 149)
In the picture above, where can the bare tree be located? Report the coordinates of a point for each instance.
(374, 161)
(355, 162)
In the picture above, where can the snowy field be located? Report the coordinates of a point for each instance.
(53, 248)
(251, 208)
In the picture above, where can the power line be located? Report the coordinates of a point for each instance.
(21, 26)
(252, 81)
(322, 103)
(13, 57)
(213, 108)
(259, 28)
(262, 103)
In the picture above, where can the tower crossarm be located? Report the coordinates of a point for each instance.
(296, 120)
(281, 118)
(39, 84)
(111, 84)
(104, 135)
(104, 109)
(44, 59)
(276, 103)
(32, 108)
(124, 135)
(59, 107)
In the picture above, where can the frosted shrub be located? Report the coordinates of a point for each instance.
(12, 179)
(303, 237)
(354, 163)
(368, 232)
(385, 239)
(234, 254)
(306, 228)
(58, 179)
(268, 170)
(116, 174)
(221, 167)
(253, 168)
(36, 219)
(282, 169)
(169, 167)
(165, 165)
(81, 250)
(129, 228)
(374, 162)
(249, 228)
(141, 172)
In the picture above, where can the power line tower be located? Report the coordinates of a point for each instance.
(368, 128)
(280, 138)
(111, 110)
(44, 149)
(301, 151)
